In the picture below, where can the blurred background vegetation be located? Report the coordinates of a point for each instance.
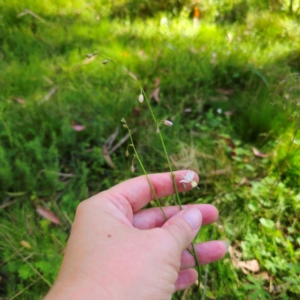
(225, 72)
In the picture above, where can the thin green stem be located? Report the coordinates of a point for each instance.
(147, 177)
(198, 269)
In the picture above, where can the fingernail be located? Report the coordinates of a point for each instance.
(193, 217)
(227, 245)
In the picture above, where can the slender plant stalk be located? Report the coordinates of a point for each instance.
(107, 60)
(142, 166)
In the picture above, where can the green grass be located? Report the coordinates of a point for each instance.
(48, 85)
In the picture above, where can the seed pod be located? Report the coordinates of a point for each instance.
(141, 98)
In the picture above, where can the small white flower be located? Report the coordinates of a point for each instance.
(188, 178)
(141, 98)
(168, 123)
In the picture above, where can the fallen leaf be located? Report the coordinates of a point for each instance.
(235, 255)
(244, 181)
(121, 142)
(225, 91)
(136, 111)
(228, 113)
(21, 101)
(259, 154)
(155, 94)
(249, 265)
(107, 157)
(50, 93)
(48, 214)
(78, 127)
(157, 82)
(111, 138)
(230, 143)
(264, 275)
(25, 244)
(221, 171)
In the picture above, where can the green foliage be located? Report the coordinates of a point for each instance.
(256, 289)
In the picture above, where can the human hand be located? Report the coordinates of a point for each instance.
(116, 250)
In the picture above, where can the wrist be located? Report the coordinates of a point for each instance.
(78, 289)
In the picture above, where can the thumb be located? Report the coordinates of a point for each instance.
(184, 226)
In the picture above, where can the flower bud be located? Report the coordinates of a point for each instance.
(89, 55)
(127, 153)
(105, 61)
(168, 123)
(141, 98)
(132, 169)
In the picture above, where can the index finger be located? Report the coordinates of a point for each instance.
(138, 192)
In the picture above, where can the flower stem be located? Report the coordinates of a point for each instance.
(142, 166)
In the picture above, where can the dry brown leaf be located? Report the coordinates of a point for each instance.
(221, 171)
(157, 82)
(112, 138)
(235, 255)
(50, 93)
(48, 214)
(244, 181)
(249, 265)
(228, 113)
(231, 144)
(20, 100)
(264, 275)
(105, 153)
(259, 154)
(155, 94)
(121, 142)
(225, 91)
